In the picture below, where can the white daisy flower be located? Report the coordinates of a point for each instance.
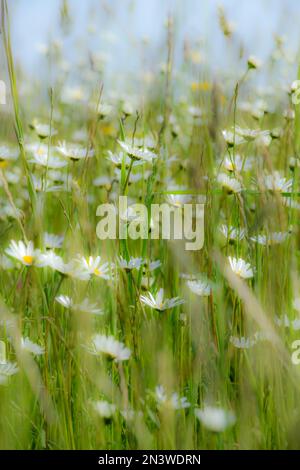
(200, 288)
(42, 130)
(289, 114)
(136, 153)
(31, 347)
(53, 241)
(105, 409)
(76, 270)
(74, 152)
(65, 301)
(231, 185)
(273, 238)
(25, 253)
(42, 157)
(237, 163)
(8, 153)
(109, 346)
(242, 343)
(6, 370)
(287, 323)
(174, 401)
(253, 62)
(296, 304)
(294, 162)
(133, 263)
(232, 233)
(93, 267)
(178, 200)
(232, 138)
(52, 260)
(74, 94)
(215, 419)
(102, 181)
(133, 178)
(5, 263)
(251, 134)
(85, 306)
(47, 186)
(241, 268)
(158, 302)
(154, 265)
(104, 110)
(146, 141)
(276, 182)
(117, 159)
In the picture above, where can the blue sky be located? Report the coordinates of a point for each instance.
(120, 26)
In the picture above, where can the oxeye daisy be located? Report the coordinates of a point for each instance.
(251, 134)
(52, 260)
(178, 200)
(74, 152)
(117, 159)
(232, 138)
(25, 253)
(85, 306)
(237, 163)
(94, 267)
(215, 418)
(200, 288)
(277, 182)
(48, 186)
(104, 110)
(8, 153)
(5, 262)
(159, 303)
(287, 323)
(154, 265)
(76, 270)
(74, 94)
(253, 62)
(34, 348)
(289, 114)
(294, 162)
(53, 241)
(231, 185)
(241, 268)
(136, 153)
(133, 178)
(110, 347)
(6, 370)
(105, 409)
(133, 263)
(103, 181)
(65, 301)
(42, 157)
(272, 238)
(42, 130)
(242, 343)
(232, 233)
(174, 401)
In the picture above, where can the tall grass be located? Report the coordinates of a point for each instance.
(188, 349)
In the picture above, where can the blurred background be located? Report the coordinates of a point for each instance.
(126, 39)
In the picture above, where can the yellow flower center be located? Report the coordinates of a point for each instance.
(3, 163)
(97, 272)
(28, 259)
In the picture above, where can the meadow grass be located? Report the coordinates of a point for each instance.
(214, 372)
